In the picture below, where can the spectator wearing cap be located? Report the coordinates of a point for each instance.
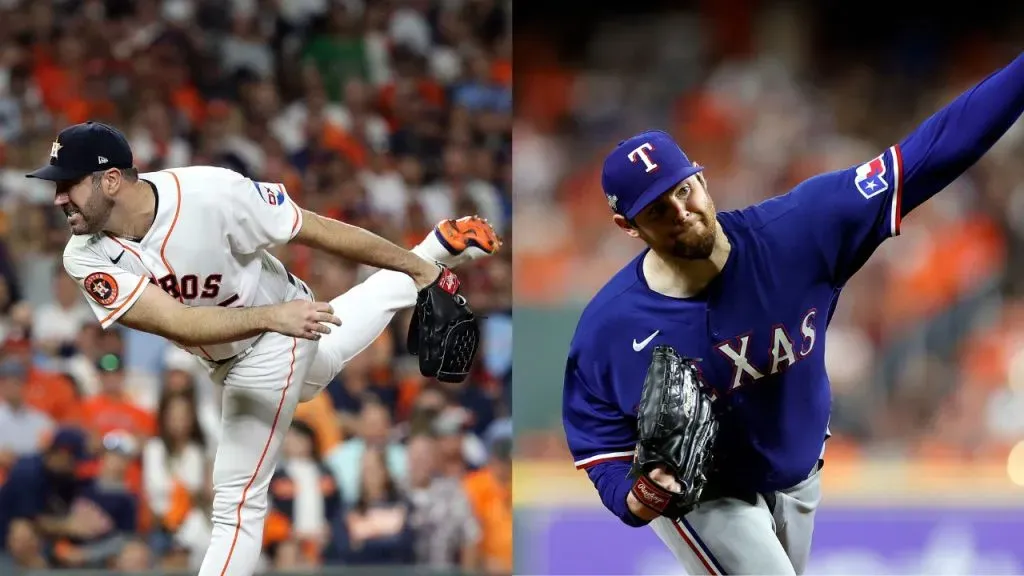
(41, 488)
(460, 449)
(111, 505)
(490, 492)
(23, 429)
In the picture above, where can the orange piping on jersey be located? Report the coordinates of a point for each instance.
(163, 245)
(126, 301)
(174, 222)
(259, 464)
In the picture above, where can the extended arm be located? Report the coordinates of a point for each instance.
(363, 246)
(851, 212)
(261, 215)
(157, 313)
(949, 142)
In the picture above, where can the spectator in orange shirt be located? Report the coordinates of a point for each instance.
(490, 492)
(49, 392)
(111, 410)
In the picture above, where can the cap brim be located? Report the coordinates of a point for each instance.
(56, 173)
(659, 187)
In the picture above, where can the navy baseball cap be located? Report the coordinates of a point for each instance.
(641, 169)
(83, 149)
(70, 440)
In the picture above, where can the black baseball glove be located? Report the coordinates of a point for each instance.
(677, 430)
(444, 333)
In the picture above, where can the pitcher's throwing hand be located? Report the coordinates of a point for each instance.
(303, 319)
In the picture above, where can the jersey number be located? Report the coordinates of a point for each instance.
(188, 286)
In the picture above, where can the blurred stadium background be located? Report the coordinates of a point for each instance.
(925, 471)
(388, 114)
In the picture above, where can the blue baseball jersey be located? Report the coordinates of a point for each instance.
(759, 328)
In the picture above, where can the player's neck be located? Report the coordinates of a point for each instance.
(682, 278)
(133, 215)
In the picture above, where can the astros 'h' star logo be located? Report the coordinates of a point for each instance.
(101, 287)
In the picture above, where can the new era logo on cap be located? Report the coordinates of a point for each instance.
(83, 149)
(641, 169)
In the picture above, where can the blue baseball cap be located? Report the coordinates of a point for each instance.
(85, 148)
(641, 169)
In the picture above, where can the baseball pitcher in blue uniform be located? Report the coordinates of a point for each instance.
(730, 310)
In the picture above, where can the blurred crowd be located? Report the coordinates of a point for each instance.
(387, 114)
(924, 351)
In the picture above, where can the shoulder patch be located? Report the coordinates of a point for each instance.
(272, 194)
(101, 287)
(870, 178)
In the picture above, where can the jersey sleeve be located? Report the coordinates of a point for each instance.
(601, 437)
(595, 428)
(259, 215)
(851, 212)
(109, 290)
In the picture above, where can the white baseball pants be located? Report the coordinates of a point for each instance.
(261, 389)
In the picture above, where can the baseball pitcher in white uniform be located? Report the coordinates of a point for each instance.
(183, 253)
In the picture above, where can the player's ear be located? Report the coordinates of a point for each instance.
(110, 179)
(625, 225)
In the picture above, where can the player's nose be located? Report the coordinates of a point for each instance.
(60, 199)
(683, 212)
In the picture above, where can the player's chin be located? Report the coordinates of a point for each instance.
(694, 245)
(78, 224)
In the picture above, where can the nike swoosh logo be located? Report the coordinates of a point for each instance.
(118, 259)
(638, 346)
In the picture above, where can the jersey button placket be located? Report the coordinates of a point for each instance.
(711, 329)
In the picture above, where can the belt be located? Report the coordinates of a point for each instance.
(239, 356)
(298, 284)
(291, 280)
(715, 491)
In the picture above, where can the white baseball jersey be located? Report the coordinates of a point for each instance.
(207, 247)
